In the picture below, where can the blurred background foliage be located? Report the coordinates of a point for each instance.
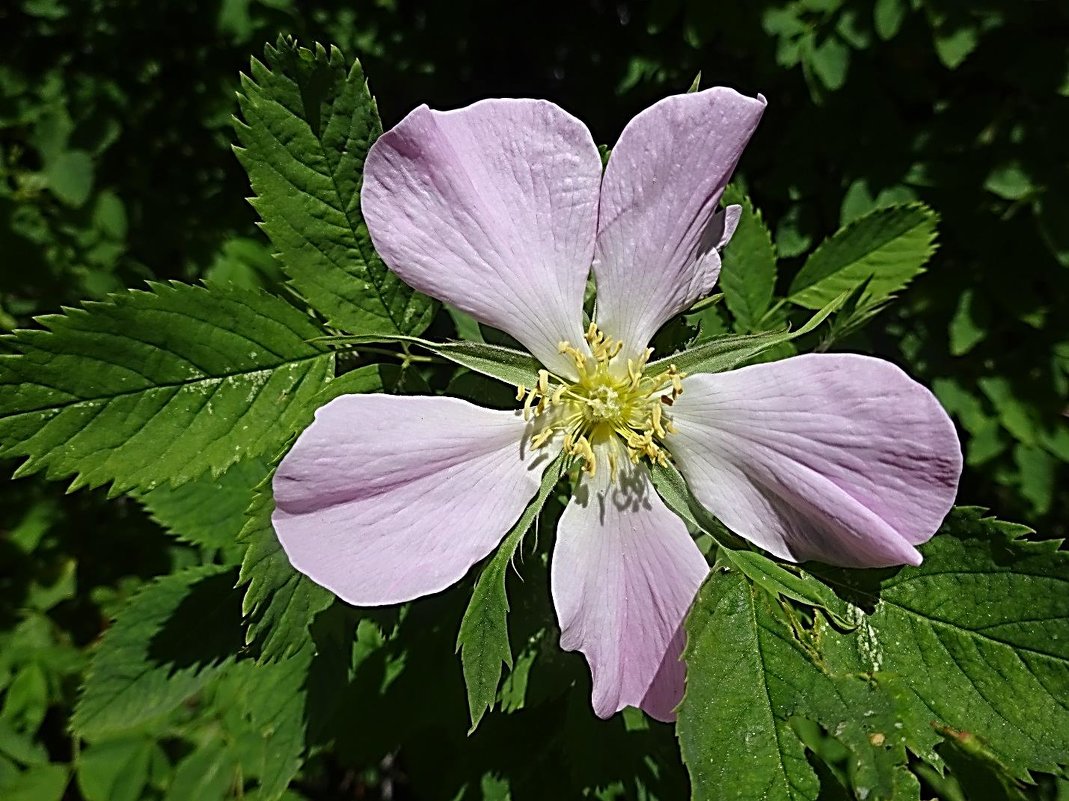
(116, 167)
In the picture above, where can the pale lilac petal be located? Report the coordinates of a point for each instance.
(492, 208)
(835, 457)
(623, 575)
(659, 229)
(384, 499)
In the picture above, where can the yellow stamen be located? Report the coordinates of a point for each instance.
(613, 405)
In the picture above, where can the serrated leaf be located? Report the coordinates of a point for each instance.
(732, 733)
(308, 124)
(210, 511)
(271, 701)
(979, 636)
(890, 246)
(483, 641)
(748, 674)
(748, 273)
(166, 643)
(726, 353)
(159, 386)
(280, 603)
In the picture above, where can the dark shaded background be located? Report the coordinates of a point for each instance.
(115, 167)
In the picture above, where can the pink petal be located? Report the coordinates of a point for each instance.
(624, 573)
(840, 458)
(659, 228)
(384, 499)
(492, 208)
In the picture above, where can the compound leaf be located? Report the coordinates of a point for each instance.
(159, 386)
(889, 246)
(167, 641)
(308, 124)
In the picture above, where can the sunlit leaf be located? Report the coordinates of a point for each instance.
(158, 387)
(309, 121)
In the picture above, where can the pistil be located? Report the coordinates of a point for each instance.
(608, 405)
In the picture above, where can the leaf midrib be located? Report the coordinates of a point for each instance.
(795, 291)
(373, 279)
(168, 385)
(877, 599)
(768, 694)
(973, 633)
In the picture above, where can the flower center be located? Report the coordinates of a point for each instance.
(613, 409)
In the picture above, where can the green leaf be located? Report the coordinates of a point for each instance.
(731, 728)
(308, 124)
(272, 699)
(39, 783)
(1037, 470)
(726, 353)
(114, 770)
(514, 367)
(890, 245)
(748, 274)
(969, 325)
(70, 176)
(483, 641)
(207, 774)
(829, 61)
(161, 386)
(953, 45)
(1010, 181)
(979, 637)
(888, 16)
(748, 674)
(790, 581)
(209, 511)
(166, 643)
(280, 603)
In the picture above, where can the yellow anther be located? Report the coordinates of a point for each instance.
(543, 382)
(582, 449)
(542, 437)
(655, 420)
(520, 392)
(604, 411)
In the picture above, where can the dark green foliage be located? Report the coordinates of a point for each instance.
(160, 651)
(116, 167)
